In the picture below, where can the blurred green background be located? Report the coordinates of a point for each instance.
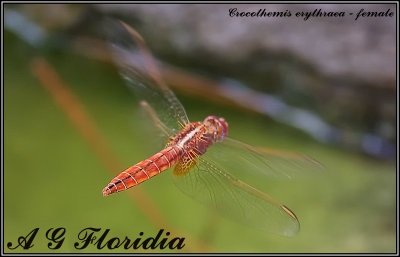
(53, 178)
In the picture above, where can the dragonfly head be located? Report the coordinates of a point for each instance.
(220, 124)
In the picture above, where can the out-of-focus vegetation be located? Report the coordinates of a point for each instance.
(53, 178)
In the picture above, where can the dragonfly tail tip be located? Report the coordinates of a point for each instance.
(106, 191)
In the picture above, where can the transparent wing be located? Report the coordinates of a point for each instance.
(215, 187)
(167, 132)
(139, 70)
(244, 160)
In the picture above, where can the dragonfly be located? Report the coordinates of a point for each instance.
(203, 157)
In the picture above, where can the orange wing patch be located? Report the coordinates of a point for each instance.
(183, 166)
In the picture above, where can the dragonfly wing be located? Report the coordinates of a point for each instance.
(167, 132)
(243, 159)
(140, 71)
(215, 187)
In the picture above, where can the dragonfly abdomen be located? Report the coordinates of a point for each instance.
(144, 170)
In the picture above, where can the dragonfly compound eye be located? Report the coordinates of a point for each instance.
(221, 125)
(224, 127)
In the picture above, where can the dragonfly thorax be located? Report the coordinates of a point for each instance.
(198, 136)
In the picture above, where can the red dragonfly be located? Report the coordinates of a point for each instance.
(204, 157)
